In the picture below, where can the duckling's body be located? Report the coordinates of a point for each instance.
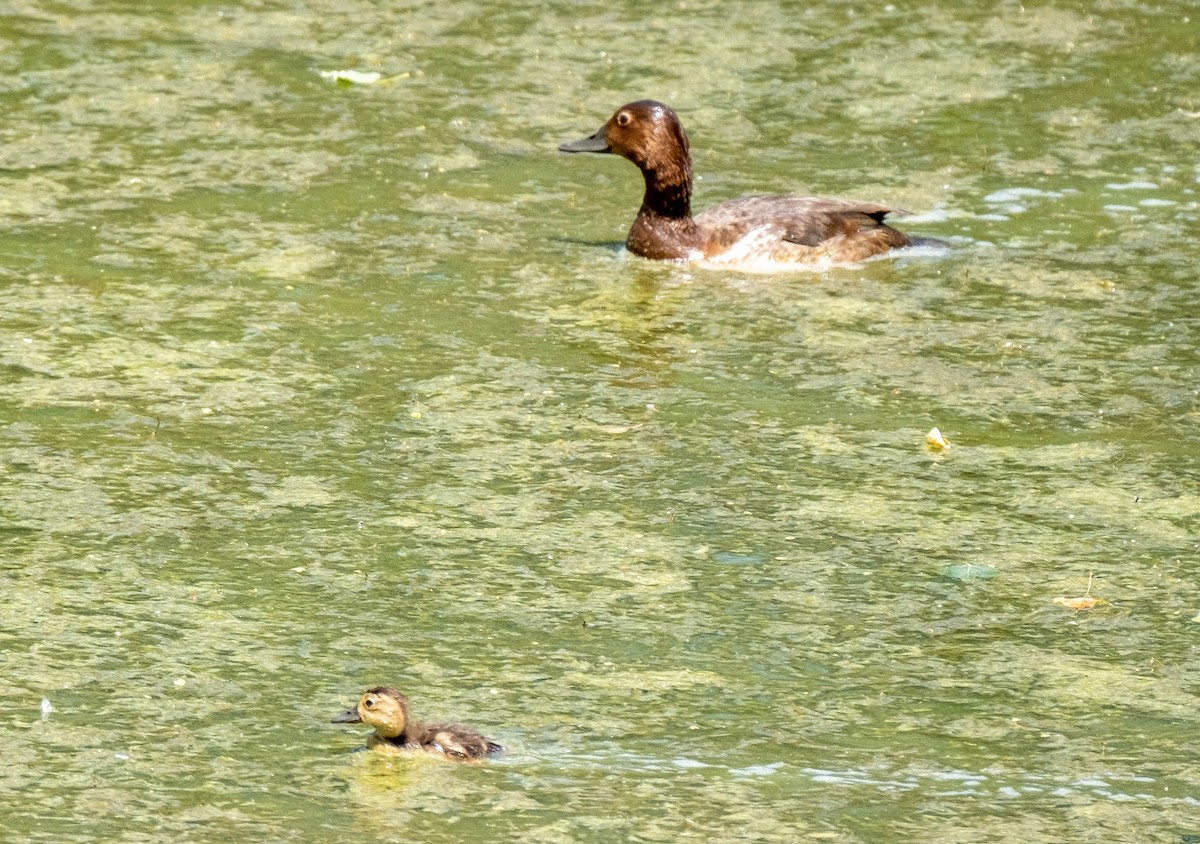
(386, 709)
(774, 229)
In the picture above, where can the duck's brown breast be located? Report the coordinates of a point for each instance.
(663, 238)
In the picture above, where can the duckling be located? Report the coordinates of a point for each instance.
(386, 709)
(779, 230)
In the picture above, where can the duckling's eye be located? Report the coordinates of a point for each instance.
(369, 703)
(623, 119)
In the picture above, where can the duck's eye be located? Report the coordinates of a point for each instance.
(369, 703)
(623, 119)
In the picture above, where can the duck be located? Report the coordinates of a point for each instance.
(774, 229)
(386, 709)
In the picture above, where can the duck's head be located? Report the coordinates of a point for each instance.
(383, 708)
(646, 132)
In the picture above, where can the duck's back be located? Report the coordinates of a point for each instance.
(800, 228)
(455, 740)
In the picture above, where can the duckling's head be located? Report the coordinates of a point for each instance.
(383, 708)
(646, 132)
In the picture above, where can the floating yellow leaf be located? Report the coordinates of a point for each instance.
(936, 441)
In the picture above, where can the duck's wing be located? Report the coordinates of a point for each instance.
(803, 220)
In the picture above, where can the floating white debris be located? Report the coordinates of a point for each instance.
(46, 708)
(352, 77)
(764, 770)
(1137, 184)
(685, 762)
(1014, 194)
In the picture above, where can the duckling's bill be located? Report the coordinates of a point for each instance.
(350, 716)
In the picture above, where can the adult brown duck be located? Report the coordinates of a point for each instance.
(751, 230)
(386, 709)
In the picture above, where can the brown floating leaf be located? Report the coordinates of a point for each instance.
(1084, 603)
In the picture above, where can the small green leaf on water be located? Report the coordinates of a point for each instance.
(968, 572)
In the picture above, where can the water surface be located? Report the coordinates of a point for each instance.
(309, 387)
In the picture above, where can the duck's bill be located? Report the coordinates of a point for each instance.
(592, 143)
(350, 716)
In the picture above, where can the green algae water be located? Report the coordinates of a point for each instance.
(308, 386)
